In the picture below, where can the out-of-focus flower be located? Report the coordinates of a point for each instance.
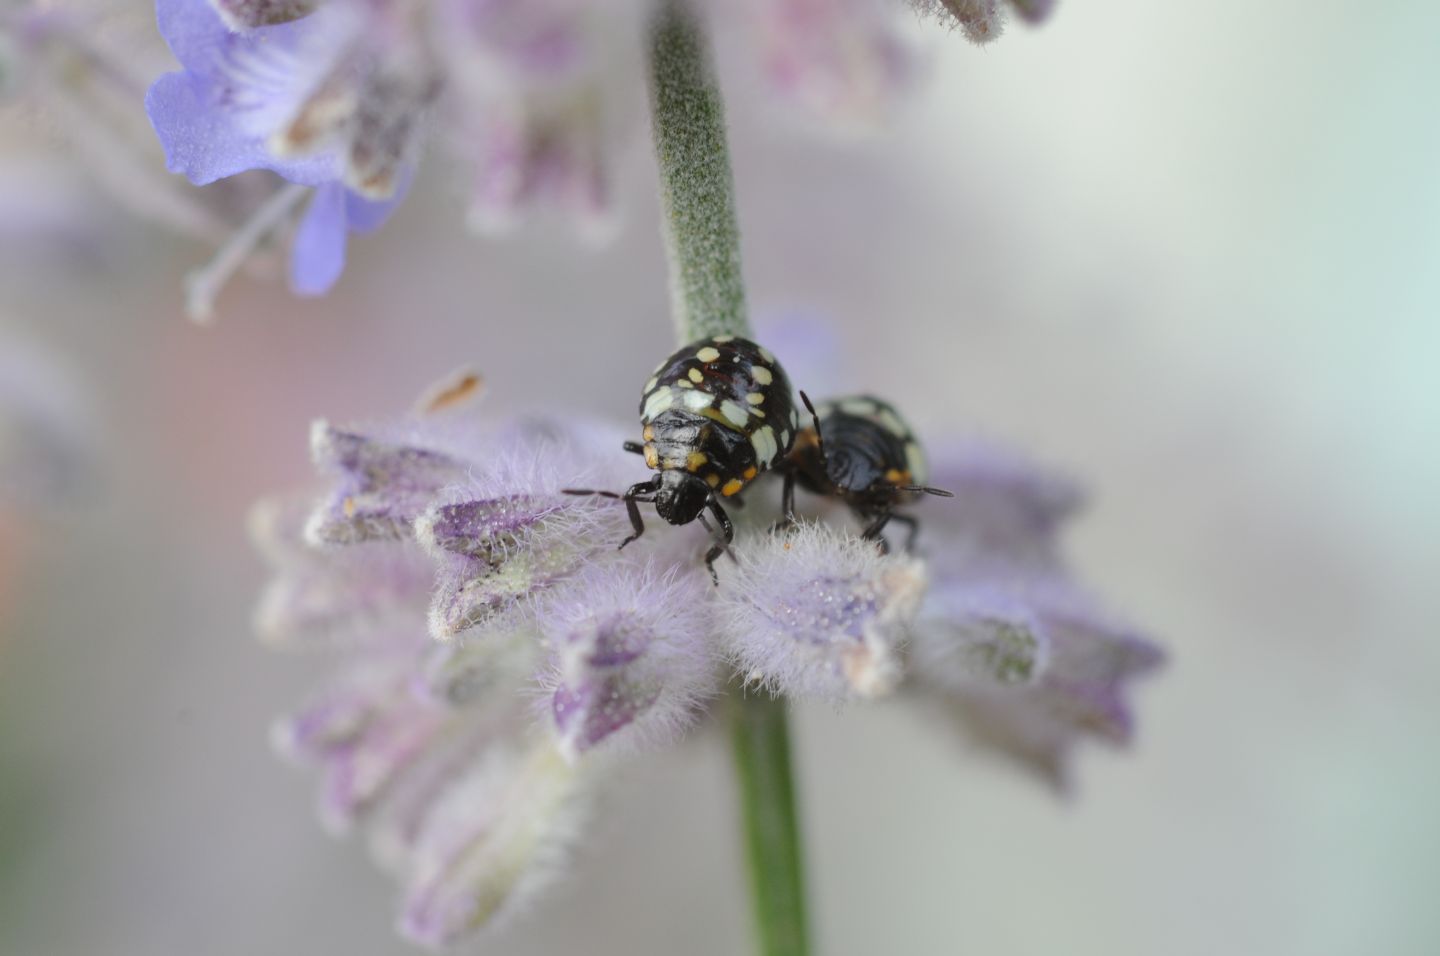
(278, 99)
(466, 738)
(340, 94)
(80, 70)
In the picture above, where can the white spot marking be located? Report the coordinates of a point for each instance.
(764, 442)
(755, 398)
(708, 354)
(722, 339)
(659, 401)
(765, 354)
(857, 406)
(696, 400)
(650, 385)
(915, 461)
(734, 414)
(762, 375)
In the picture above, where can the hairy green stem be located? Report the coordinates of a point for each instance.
(760, 735)
(696, 187)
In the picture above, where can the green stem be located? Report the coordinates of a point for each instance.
(696, 188)
(761, 738)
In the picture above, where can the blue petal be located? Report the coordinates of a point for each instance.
(204, 143)
(318, 256)
(367, 215)
(213, 117)
(193, 31)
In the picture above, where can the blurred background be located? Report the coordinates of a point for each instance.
(1189, 253)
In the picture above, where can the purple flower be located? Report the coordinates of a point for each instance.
(286, 97)
(505, 656)
(632, 659)
(843, 59)
(820, 613)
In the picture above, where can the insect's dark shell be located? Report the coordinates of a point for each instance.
(870, 454)
(720, 409)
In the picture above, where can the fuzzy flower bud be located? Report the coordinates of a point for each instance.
(382, 486)
(324, 596)
(499, 835)
(1032, 666)
(512, 531)
(632, 658)
(820, 612)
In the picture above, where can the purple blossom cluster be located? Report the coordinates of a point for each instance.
(498, 654)
(340, 98)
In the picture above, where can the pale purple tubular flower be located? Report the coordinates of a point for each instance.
(468, 755)
(842, 59)
(820, 613)
(381, 486)
(632, 657)
(321, 597)
(533, 94)
(499, 835)
(1012, 641)
(509, 531)
(1032, 667)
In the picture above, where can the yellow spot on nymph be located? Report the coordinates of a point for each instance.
(652, 457)
(765, 354)
(732, 486)
(694, 460)
(897, 477)
(708, 354)
(712, 479)
(349, 505)
(762, 375)
(755, 398)
(750, 473)
(649, 433)
(695, 376)
(685, 383)
(722, 339)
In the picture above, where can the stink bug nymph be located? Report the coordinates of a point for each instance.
(860, 450)
(714, 416)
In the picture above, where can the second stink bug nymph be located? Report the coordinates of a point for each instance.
(714, 416)
(860, 450)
